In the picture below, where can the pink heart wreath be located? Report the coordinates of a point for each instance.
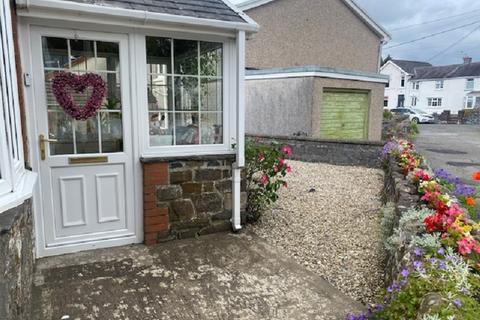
(79, 83)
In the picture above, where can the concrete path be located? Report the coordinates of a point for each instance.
(221, 276)
(455, 148)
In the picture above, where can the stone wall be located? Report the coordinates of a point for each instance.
(17, 261)
(338, 152)
(399, 191)
(187, 197)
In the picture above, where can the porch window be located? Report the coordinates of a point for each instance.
(11, 150)
(185, 92)
(470, 101)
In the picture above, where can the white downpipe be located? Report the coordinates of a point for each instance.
(240, 110)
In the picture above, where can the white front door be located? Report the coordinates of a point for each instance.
(86, 170)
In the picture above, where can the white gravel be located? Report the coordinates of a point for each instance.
(328, 220)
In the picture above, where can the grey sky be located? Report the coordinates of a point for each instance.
(393, 14)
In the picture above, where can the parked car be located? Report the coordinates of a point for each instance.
(415, 115)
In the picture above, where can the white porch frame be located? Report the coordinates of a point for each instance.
(234, 46)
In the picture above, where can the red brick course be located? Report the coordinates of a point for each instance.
(155, 219)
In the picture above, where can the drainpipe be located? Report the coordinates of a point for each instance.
(240, 134)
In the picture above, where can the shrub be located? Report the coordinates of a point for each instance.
(387, 115)
(265, 172)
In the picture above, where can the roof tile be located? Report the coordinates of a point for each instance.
(206, 9)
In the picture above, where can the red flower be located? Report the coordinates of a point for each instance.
(476, 176)
(287, 150)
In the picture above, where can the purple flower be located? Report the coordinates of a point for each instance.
(356, 317)
(432, 261)
(458, 303)
(442, 265)
(405, 273)
(418, 252)
(417, 265)
(441, 251)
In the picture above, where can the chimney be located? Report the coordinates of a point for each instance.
(467, 60)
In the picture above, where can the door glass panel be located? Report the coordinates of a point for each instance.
(102, 133)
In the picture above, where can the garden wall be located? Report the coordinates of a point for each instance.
(399, 191)
(16, 267)
(337, 152)
(187, 197)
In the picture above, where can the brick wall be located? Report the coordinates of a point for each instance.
(187, 197)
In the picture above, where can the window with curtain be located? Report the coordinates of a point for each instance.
(185, 92)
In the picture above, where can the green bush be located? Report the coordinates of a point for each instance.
(265, 174)
(387, 115)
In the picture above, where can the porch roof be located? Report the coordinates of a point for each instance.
(207, 9)
(218, 14)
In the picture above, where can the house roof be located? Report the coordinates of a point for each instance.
(357, 10)
(447, 72)
(207, 9)
(409, 66)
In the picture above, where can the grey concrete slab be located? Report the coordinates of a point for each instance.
(222, 276)
(455, 148)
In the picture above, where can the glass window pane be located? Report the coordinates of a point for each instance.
(51, 100)
(211, 94)
(112, 131)
(159, 92)
(108, 57)
(86, 135)
(113, 97)
(159, 55)
(55, 52)
(212, 128)
(185, 57)
(186, 128)
(161, 128)
(83, 55)
(211, 58)
(186, 93)
(60, 128)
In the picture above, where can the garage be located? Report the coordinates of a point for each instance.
(344, 114)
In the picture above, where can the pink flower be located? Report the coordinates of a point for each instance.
(281, 162)
(289, 169)
(275, 168)
(466, 245)
(285, 184)
(264, 180)
(261, 157)
(287, 150)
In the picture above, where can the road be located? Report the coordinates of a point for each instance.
(455, 148)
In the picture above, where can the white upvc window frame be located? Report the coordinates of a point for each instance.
(471, 100)
(469, 87)
(11, 146)
(434, 102)
(229, 98)
(439, 84)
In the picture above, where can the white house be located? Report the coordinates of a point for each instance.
(398, 92)
(452, 87)
(433, 89)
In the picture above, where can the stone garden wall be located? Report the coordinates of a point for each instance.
(187, 197)
(338, 152)
(16, 267)
(403, 195)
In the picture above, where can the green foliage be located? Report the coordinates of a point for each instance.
(387, 115)
(265, 174)
(387, 219)
(413, 130)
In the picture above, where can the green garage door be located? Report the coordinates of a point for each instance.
(344, 115)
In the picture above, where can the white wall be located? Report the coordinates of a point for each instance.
(453, 94)
(395, 89)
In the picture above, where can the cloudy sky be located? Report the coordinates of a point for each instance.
(400, 16)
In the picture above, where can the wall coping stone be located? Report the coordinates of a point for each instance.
(326, 141)
(188, 158)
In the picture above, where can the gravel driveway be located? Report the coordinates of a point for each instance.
(328, 220)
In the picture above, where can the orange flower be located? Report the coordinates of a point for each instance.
(476, 176)
(470, 201)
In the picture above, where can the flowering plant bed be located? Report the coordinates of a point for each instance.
(439, 241)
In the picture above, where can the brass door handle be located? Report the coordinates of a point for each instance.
(42, 140)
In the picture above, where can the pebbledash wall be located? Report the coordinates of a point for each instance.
(187, 197)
